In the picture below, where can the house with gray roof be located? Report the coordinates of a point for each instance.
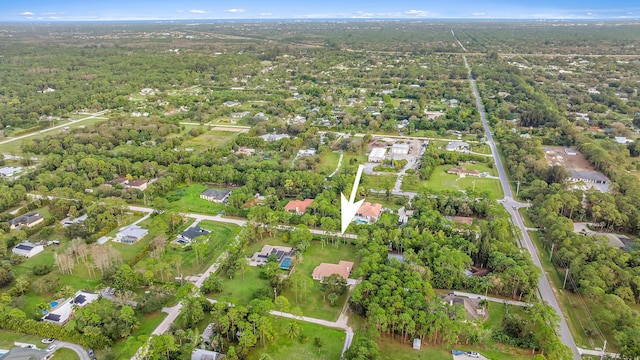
(25, 353)
(459, 146)
(131, 234)
(215, 195)
(187, 236)
(29, 219)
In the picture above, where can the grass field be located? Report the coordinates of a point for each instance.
(7, 338)
(210, 140)
(328, 162)
(284, 348)
(314, 304)
(189, 201)
(441, 181)
(379, 182)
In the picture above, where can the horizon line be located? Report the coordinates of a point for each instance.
(297, 19)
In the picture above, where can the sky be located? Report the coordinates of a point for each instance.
(91, 10)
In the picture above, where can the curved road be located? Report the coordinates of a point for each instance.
(544, 287)
(82, 352)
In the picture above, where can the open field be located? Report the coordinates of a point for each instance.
(379, 182)
(328, 162)
(441, 181)
(556, 155)
(187, 199)
(209, 140)
(285, 348)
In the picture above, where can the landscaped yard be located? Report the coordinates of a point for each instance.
(187, 199)
(65, 354)
(285, 348)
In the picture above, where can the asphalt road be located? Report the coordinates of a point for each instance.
(544, 287)
(82, 352)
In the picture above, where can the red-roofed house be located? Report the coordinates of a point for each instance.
(298, 206)
(368, 213)
(324, 270)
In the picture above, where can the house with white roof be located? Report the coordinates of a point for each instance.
(130, 234)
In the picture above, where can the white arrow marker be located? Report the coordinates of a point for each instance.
(348, 208)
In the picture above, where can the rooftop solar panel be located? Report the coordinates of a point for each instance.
(80, 299)
(53, 317)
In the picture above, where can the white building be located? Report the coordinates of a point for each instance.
(377, 155)
(400, 149)
(9, 171)
(27, 249)
(131, 234)
(459, 146)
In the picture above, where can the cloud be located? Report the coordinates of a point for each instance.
(266, 14)
(479, 14)
(416, 13)
(197, 11)
(235, 10)
(26, 13)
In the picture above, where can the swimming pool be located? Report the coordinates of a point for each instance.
(53, 304)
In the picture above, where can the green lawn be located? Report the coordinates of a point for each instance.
(188, 200)
(7, 338)
(328, 162)
(393, 349)
(284, 348)
(221, 235)
(241, 289)
(441, 181)
(379, 182)
(314, 304)
(65, 354)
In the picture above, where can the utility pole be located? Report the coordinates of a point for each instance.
(566, 275)
(518, 188)
(551, 255)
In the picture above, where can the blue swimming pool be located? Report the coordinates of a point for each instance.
(53, 304)
(286, 263)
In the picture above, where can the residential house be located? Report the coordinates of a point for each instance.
(187, 236)
(239, 115)
(122, 181)
(274, 137)
(69, 221)
(283, 254)
(137, 184)
(368, 213)
(462, 172)
(246, 151)
(201, 354)
(307, 152)
(231, 103)
(589, 177)
(9, 171)
(215, 195)
(459, 146)
(298, 206)
(27, 249)
(61, 313)
(324, 270)
(29, 219)
(377, 155)
(622, 140)
(130, 234)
